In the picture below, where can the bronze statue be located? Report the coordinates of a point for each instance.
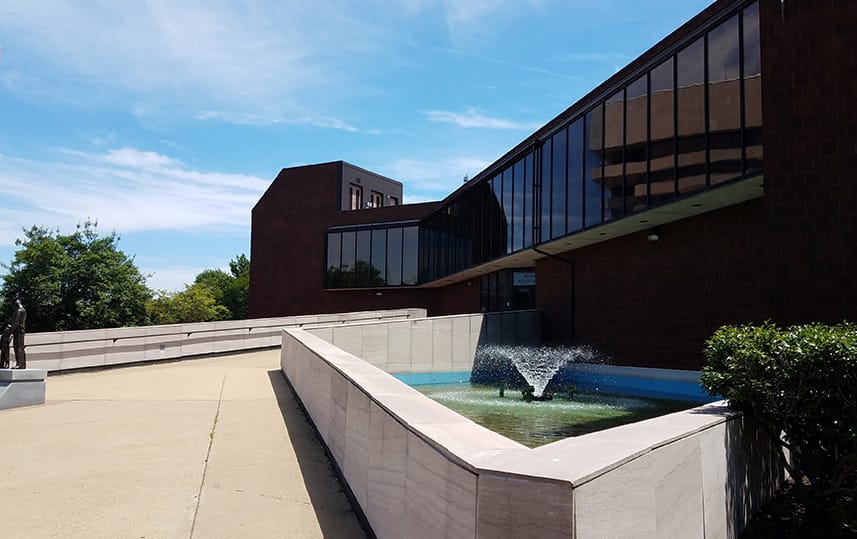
(5, 340)
(16, 329)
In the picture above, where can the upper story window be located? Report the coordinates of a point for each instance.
(355, 196)
(394, 201)
(376, 199)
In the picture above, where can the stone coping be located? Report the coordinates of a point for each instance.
(248, 325)
(572, 461)
(71, 350)
(23, 375)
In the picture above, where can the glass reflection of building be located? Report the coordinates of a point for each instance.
(688, 121)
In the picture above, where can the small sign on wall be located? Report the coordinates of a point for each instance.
(524, 278)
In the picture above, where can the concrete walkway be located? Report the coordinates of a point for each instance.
(201, 448)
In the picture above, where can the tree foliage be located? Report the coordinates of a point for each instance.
(75, 281)
(195, 303)
(229, 289)
(801, 384)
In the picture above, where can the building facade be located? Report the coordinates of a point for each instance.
(711, 181)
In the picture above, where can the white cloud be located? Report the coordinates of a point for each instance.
(124, 189)
(473, 117)
(256, 61)
(427, 180)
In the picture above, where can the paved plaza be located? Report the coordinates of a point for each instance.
(213, 447)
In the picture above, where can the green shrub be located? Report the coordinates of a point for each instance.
(800, 383)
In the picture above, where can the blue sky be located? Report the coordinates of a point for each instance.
(166, 121)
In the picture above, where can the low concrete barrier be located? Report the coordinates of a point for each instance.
(21, 387)
(418, 469)
(64, 350)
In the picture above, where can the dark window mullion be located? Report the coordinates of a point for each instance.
(707, 108)
(603, 143)
(648, 139)
(583, 177)
(625, 210)
(742, 112)
(675, 125)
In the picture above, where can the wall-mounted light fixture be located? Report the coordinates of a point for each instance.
(654, 235)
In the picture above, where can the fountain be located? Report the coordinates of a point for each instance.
(529, 368)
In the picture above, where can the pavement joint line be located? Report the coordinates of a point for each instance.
(208, 455)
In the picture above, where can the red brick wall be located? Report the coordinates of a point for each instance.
(809, 59)
(790, 257)
(287, 247)
(287, 251)
(655, 303)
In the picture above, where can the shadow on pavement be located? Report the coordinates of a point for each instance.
(336, 516)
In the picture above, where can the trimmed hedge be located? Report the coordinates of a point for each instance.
(800, 383)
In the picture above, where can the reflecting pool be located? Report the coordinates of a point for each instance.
(538, 423)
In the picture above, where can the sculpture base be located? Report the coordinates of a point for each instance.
(22, 387)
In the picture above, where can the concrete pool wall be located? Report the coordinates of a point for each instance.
(415, 468)
(436, 344)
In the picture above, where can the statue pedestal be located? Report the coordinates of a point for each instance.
(22, 387)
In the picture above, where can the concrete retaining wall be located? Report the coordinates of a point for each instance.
(63, 350)
(437, 344)
(417, 469)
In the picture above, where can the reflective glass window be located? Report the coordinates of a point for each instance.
(594, 140)
(545, 202)
(349, 246)
(724, 102)
(690, 78)
(442, 250)
(508, 197)
(394, 256)
(364, 255)
(614, 155)
(499, 226)
(378, 271)
(432, 248)
(752, 91)
(662, 144)
(527, 211)
(558, 193)
(480, 231)
(636, 145)
(575, 176)
(519, 209)
(334, 260)
(410, 252)
(467, 215)
(484, 297)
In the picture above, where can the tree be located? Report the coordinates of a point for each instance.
(237, 293)
(216, 281)
(195, 303)
(75, 281)
(229, 289)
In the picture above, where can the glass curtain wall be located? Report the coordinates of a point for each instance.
(372, 258)
(691, 121)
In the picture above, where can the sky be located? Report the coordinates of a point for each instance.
(165, 121)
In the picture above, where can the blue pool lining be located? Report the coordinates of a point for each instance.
(589, 382)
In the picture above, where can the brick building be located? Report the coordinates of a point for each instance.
(713, 180)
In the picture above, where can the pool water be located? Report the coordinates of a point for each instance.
(542, 422)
